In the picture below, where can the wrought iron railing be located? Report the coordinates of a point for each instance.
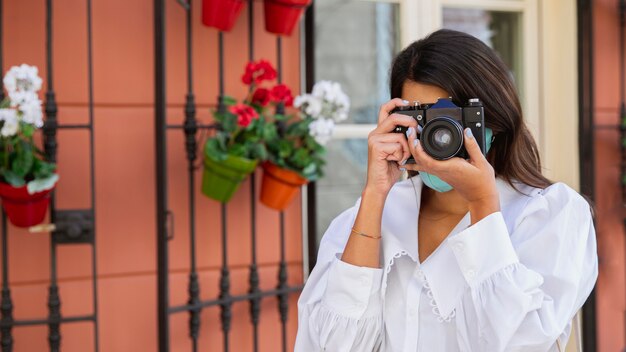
(72, 226)
(225, 300)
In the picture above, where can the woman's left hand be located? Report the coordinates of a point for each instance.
(473, 179)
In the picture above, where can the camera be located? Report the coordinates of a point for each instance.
(443, 124)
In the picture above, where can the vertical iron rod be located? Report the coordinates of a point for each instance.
(92, 158)
(225, 314)
(255, 301)
(161, 173)
(225, 306)
(283, 297)
(6, 305)
(190, 129)
(50, 145)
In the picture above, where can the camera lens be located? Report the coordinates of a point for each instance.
(442, 137)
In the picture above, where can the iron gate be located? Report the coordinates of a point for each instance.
(73, 227)
(190, 127)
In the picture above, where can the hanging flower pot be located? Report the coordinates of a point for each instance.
(221, 179)
(24, 209)
(221, 14)
(281, 16)
(279, 186)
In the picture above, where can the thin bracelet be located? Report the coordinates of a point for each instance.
(365, 235)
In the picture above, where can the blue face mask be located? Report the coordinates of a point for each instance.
(434, 182)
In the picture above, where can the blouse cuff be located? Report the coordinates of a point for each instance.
(468, 258)
(483, 249)
(352, 290)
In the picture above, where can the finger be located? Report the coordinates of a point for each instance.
(389, 151)
(390, 123)
(386, 108)
(472, 147)
(422, 159)
(394, 138)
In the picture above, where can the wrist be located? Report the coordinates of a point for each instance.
(482, 208)
(374, 195)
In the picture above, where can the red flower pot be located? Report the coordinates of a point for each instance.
(23, 209)
(279, 186)
(281, 16)
(221, 14)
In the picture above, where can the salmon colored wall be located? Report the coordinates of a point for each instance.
(125, 179)
(609, 209)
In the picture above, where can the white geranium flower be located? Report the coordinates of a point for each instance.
(10, 121)
(322, 130)
(22, 83)
(311, 105)
(31, 112)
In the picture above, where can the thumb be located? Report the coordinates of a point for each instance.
(472, 147)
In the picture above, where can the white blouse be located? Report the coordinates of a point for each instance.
(511, 282)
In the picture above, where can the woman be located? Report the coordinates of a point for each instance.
(483, 254)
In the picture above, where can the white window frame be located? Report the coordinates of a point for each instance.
(421, 17)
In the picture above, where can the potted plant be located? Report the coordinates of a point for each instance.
(221, 14)
(26, 178)
(281, 16)
(296, 152)
(237, 146)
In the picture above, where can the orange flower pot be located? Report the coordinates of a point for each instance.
(279, 186)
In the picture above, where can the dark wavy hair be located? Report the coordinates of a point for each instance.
(467, 68)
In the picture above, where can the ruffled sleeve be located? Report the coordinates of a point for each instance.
(340, 308)
(519, 290)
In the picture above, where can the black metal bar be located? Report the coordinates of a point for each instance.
(226, 303)
(254, 281)
(237, 298)
(6, 305)
(34, 322)
(220, 48)
(190, 129)
(92, 158)
(50, 146)
(309, 78)
(74, 126)
(161, 173)
(283, 298)
(198, 126)
(586, 142)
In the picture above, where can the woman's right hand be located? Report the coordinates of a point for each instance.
(387, 151)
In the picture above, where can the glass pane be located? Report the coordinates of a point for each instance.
(500, 30)
(346, 167)
(355, 42)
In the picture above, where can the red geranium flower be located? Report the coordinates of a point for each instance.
(261, 96)
(245, 114)
(282, 93)
(257, 72)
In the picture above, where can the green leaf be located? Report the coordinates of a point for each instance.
(213, 149)
(228, 101)
(13, 179)
(23, 161)
(42, 169)
(27, 129)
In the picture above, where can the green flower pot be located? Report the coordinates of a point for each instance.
(221, 179)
